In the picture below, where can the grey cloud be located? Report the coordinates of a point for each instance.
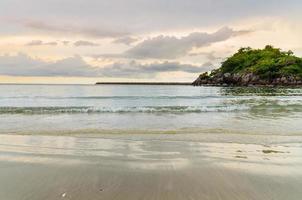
(84, 43)
(69, 29)
(137, 70)
(65, 42)
(51, 43)
(170, 47)
(143, 16)
(126, 40)
(23, 65)
(40, 43)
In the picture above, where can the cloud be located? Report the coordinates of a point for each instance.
(171, 47)
(41, 43)
(65, 42)
(209, 55)
(125, 40)
(69, 29)
(143, 16)
(23, 65)
(135, 69)
(84, 43)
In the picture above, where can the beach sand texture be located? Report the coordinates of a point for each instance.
(121, 167)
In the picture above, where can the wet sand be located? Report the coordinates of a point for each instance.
(143, 167)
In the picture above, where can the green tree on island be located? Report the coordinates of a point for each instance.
(256, 66)
(269, 62)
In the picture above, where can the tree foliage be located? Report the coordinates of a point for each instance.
(269, 62)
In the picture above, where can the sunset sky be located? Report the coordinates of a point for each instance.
(84, 41)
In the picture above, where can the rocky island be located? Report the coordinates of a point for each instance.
(264, 67)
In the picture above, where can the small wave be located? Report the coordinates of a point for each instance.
(113, 97)
(146, 109)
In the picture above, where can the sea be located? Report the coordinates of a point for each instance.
(145, 109)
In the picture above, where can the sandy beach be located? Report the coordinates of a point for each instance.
(134, 167)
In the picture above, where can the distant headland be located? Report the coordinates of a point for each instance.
(143, 83)
(264, 67)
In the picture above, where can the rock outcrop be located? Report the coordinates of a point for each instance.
(249, 79)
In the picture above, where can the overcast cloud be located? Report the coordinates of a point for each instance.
(71, 29)
(23, 65)
(170, 47)
(126, 40)
(41, 43)
(164, 33)
(85, 43)
(137, 16)
(135, 69)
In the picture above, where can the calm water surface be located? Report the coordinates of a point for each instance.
(98, 108)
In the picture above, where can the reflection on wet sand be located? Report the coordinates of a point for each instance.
(145, 154)
(70, 167)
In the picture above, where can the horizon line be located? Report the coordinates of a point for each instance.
(142, 83)
(106, 83)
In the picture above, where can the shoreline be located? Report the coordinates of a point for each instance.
(179, 136)
(247, 86)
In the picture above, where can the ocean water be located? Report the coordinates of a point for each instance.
(61, 109)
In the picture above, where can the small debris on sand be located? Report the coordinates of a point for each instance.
(266, 151)
(244, 157)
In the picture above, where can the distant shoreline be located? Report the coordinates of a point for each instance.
(143, 83)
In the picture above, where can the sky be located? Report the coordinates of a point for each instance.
(85, 41)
